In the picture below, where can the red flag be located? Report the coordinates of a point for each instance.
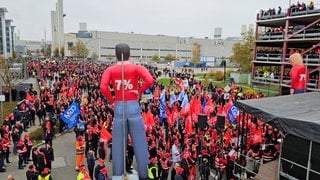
(220, 109)
(195, 106)
(227, 137)
(29, 97)
(105, 135)
(63, 91)
(188, 125)
(169, 117)
(148, 119)
(256, 136)
(185, 110)
(156, 93)
(71, 90)
(228, 104)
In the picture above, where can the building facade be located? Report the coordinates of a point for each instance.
(144, 47)
(6, 35)
(57, 27)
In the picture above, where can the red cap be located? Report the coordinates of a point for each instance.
(82, 168)
(100, 160)
(167, 155)
(179, 170)
(45, 171)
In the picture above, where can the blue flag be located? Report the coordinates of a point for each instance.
(185, 101)
(181, 96)
(203, 105)
(162, 106)
(173, 98)
(70, 115)
(232, 114)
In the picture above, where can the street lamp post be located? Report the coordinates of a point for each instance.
(224, 70)
(2, 98)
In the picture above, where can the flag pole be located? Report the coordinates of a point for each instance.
(124, 176)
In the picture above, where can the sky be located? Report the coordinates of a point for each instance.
(183, 18)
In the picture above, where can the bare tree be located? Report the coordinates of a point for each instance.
(6, 77)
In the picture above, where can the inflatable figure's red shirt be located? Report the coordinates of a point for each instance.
(299, 77)
(113, 75)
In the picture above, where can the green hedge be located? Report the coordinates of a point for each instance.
(8, 108)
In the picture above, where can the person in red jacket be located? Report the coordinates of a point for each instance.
(129, 81)
(298, 74)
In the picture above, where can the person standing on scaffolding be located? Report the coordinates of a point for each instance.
(129, 81)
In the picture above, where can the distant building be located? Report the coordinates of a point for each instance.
(144, 47)
(57, 26)
(6, 35)
(34, 47)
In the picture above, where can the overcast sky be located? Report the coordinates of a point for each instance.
(184, 18)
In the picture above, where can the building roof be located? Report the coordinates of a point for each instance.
(297, 114)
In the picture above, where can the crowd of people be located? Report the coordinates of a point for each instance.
(174, 140)
(293, 8)
(296, 7)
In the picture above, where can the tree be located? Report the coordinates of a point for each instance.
(62, 51)
(195, 53)
(170, 57)
(243, 52)
(37, 52)
(29, 52)
(56, 52)
(46, 51)
(155, 58)
(14, 54)
(6, 77)
(2, 60)
(79, 50)
(94, 56)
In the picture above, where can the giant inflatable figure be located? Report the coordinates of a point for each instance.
(298, 74)
(129, 81)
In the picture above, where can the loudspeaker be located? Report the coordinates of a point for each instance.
(202, 121)
(221, 120)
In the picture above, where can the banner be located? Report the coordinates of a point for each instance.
(70, 115)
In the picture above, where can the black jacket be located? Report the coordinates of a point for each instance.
(31, 175)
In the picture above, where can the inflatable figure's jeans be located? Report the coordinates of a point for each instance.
(135, 126)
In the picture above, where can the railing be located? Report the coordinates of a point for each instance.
(288, 12)
(306, 34)
(312, 83)
(303, 12)
(272, 16)
(239, 170)
(274, 57)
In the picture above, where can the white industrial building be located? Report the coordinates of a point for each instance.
(143, 47)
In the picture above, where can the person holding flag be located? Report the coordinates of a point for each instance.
(70, 115)
(126, 79)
